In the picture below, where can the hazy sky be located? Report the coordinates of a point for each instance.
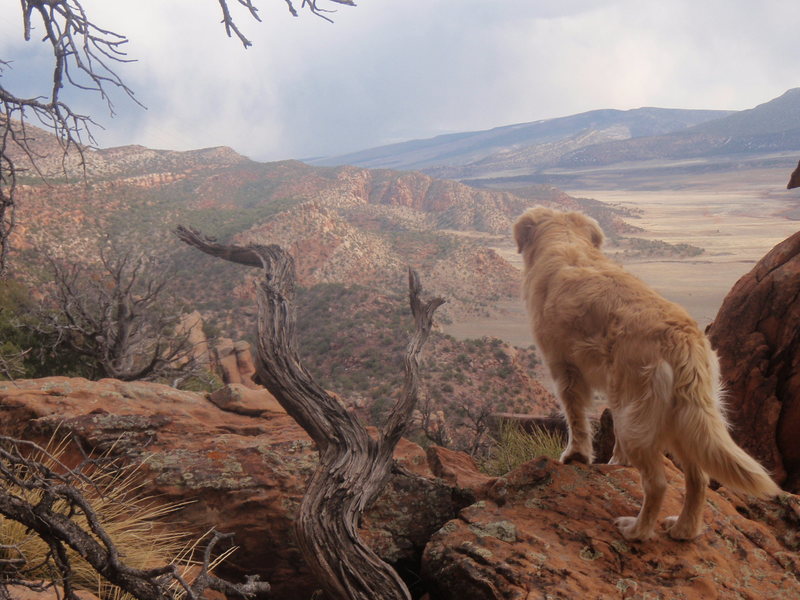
(391, 70)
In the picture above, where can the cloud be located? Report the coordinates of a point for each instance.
(399, 69)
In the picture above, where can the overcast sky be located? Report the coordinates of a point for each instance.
(392, 70)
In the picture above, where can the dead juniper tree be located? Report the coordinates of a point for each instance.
(44, 496)
(353, 467)
(119, 317)
(85, 57)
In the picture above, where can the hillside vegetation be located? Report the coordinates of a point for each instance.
(352, 232)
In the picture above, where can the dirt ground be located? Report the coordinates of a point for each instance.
(737, 217)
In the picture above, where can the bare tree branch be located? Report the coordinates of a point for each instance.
(433, 424)
(478, 421)
(52, 513)
(120, 316)
(85, 57)
(353, 467)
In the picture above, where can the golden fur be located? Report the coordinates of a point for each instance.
(600, 328)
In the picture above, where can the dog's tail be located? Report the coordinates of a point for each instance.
(701, 433)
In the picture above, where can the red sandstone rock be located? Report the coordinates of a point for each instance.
(757, 337)
(18, 592)
(553, 536)
(226, 359)
(245, 364)
(237, 398)
(236, 362)
(457, 468)
(543, 529)
(242, 474)
(191, 325)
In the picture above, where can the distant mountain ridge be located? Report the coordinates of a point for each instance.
(530, 152)
(770, 127)
(464, 148)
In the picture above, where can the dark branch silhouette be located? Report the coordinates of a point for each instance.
(794, 180)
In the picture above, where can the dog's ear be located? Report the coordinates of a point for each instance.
(589, 227)
(524, 230)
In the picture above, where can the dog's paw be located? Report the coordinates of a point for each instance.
(628, 527)
(574, 456)
(680, 532)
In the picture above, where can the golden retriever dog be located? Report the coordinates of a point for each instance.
(601, 329)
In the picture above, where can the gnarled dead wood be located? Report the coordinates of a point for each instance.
(353, 467)
(41, 493)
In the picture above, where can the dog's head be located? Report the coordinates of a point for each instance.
(530, 227)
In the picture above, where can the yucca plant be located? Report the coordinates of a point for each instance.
(131, 519)
(515, 446)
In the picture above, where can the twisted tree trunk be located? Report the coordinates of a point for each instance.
(353, 468)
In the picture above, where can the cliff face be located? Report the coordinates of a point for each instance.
(757, 336)
(542, 531)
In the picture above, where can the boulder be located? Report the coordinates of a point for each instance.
(237, 398)
(235, 361)
(552, 535)
(239, 473)
(245, 363)
(191, 325)
(757, 336)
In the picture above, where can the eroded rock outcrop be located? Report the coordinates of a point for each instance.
(543, 531)
(242, 474)
(546, 531)
(191, 325)
(757, 337)
(235, 361)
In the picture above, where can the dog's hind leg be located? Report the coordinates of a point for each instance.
(642, 398)
(575, 396)
(618, 455)
(689, 524)
(651, 469)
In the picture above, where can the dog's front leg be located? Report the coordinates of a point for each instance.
(575, 396)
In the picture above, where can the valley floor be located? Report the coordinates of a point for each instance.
(736, 217)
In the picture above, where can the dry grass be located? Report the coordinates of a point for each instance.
(516, 446)
(133, 520)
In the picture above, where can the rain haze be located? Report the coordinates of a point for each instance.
(395, 70)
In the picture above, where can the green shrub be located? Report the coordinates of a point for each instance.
(25, 350)
(202, 381)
